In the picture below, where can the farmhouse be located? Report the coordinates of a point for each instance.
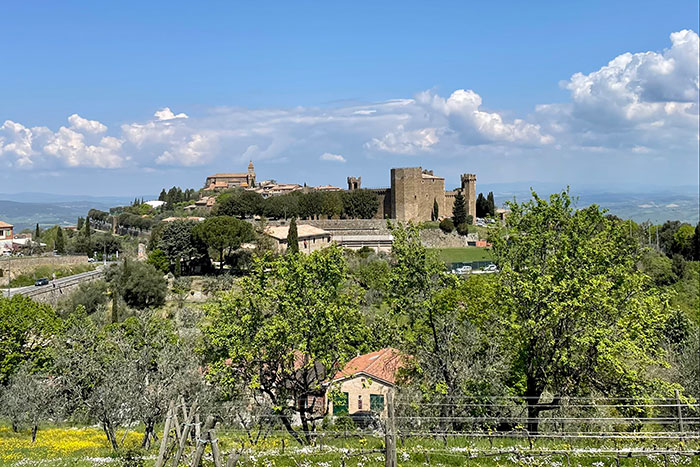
(364, 382)
(310, 238)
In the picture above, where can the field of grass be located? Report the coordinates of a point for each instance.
(84, 446)
(464, 255)
(47, 271)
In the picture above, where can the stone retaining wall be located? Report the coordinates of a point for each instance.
(15, 266)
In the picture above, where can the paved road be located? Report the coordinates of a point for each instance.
(68, 280)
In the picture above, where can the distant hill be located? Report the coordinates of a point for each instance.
(27, 215)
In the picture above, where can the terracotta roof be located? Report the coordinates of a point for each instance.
(229, 175)
(5, 224)
(381, 364)
(303, 230)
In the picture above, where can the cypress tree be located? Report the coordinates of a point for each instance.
(436, 210)
(162, 195)
(492, 204)
(60, 242)
(86, 230)
(293, 237)
(37, 233)
(459, 210)
(482, 207)
(81, 221)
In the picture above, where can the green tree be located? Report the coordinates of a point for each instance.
(81, 222)
(683, 241)
(442, 322)
(60, 243)
(25, 328)
(459, 209)
(139, 284)
(288, 328)
(293, 237)
(436, 210)
(177, 241)
(491, 203)
(92, 296)
(696, 243)
(482, 206)
(360, 204)
(159, 260)
(224, 234)
(37, 233)
(239, 203)
(579, 315)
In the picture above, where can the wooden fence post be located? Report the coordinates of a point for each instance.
(681, 425)
(185, 434)
(390, 433)
(166, 434)
(215, 452)
(202, 443)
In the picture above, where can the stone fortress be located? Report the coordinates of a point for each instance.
(411, 196)
(413, 193)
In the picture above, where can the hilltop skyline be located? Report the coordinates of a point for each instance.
(103, 102)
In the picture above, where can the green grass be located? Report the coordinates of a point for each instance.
(67, 446)
(47, 271)
(464, 255)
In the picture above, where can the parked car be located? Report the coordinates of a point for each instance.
(364, 419)
(42, 281)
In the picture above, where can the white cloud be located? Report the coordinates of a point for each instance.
(401, 141)
(327, 156)
(86, 126)
(167, 114)
(70, 147)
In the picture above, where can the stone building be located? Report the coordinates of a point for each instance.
(310, 238)
(413, 193)
(222, 181)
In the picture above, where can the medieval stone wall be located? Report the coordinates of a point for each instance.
(13, 267)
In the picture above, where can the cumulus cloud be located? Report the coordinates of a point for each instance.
(327, 156)
(84, 125)
(167, 114)
(638, 101)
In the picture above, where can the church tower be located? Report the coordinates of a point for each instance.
(251, 174)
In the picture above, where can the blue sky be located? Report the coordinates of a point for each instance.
(313, 92)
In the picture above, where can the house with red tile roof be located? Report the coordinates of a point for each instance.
(364, 382)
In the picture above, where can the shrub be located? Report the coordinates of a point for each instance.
(463, 229)
(446, 225)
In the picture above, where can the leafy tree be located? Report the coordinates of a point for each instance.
(177, 241)
(696, 243)
(140, 285)
(459, 209)
(239, 203)
(107, 243)
(331, 204)
(436, 210)
(60, 244)
(580, 316)
(159, 260)
(284, 332)
(683, 241)
(442, 323)
(81, 222)
(162, 195)
(446, 225)
(491, 203)
(292, 237)
(360, 204)
(224, 234)
(283, 206)
(25, 328)
(28, 399)
(92, 296)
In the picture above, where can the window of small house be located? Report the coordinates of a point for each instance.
(376, 402)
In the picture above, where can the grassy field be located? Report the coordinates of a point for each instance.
(464, 255)
(85, 446)
(47, 271)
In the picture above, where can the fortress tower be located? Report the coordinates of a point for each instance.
(414, 191)
(469, 192)
(354, 183)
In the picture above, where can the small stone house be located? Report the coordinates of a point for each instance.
(310, 238)
(364, 383)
